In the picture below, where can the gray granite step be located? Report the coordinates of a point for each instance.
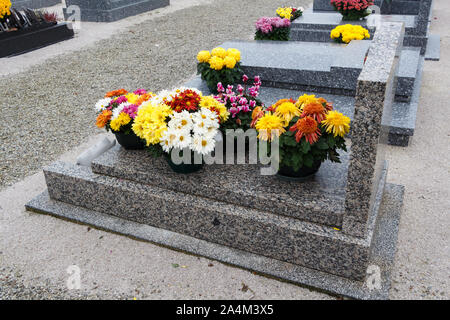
(275, 236)
(321, 199)
(112, 10)
(315, 66)
(382, 251)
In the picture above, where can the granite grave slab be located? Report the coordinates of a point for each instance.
(112, 10)
(315, 66)
(34, 4)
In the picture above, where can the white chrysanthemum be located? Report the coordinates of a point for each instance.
(119, 109)
(182, 140)
(168, 139)
(203, 144)
(181, 120)
(205, 122)
(102, 104)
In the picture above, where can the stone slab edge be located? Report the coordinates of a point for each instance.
(383, 247)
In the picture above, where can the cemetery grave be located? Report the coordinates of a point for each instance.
(25, 30)
(325, 231)
(112, 10)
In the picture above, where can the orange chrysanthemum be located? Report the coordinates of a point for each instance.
(315, 110)
(143, 98)
(257, 113)
(306, 127)
(328, 105)
(116, 93)
(103, 118)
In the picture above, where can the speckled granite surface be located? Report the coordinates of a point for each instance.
(381, 255)
(317, 66)
(256, 231)
(373, 106)
(319, 199)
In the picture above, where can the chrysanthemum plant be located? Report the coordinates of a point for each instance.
(348, 32)
(240, 103)
(276, 29)
(309, 130)
(352, 9)
(290, 13)
(118, 109)
(5, 7)
(181, 119)
(219, 65)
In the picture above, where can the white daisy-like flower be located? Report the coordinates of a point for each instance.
(181, 120)
(203, 144)
(182, 140)
(168, 139)
(102, 104)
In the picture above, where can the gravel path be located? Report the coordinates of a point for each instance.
(48, 109)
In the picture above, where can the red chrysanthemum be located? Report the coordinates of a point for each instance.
(187, 100)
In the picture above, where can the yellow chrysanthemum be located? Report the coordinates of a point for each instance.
(337, 123)
(132, 98)
(216, 63)
(150, 124)
(229, 62)
(269, 126)
(203, 56)
(287, 111)
(219, 52)
(349, 32)
(304, 100)
(5, 6)
(285, 13)
(212, 104)
(122, 120)
(235, 53)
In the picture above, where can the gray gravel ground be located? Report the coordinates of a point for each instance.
(48, 109)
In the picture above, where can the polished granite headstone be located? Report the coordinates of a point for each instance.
(112, 10)
(300, 231)
(314, 66)
(408, 7)
(34, 4)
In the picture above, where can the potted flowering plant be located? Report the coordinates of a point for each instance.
(290, 13)
(219, 65)
(273, 29)
(309, 132)
(352, 9)
(5, 7)
(348, 32)
(240, 103)
(117, 111)
(180, 120)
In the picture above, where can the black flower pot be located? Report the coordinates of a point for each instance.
(130, 141)
(183, 168)
(288, 173)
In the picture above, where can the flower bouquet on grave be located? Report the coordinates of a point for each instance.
(276, 28)
(348, 32)
(352, 9)
(182, 121)
(117, 111)
(240, 104)
(290, 13)
(219, 65)
(309, 132)
(5, 12)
